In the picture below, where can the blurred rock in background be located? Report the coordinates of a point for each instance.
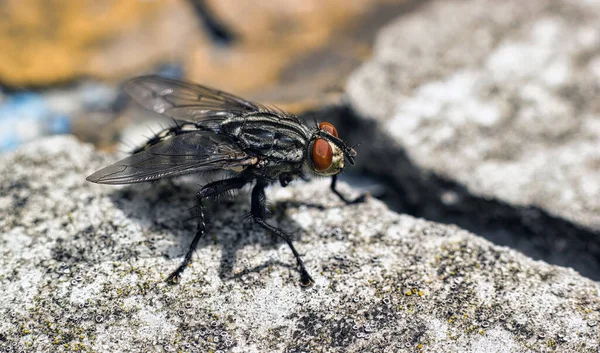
(74, 54)
(485, 114)
(295, 54)
(299, 52)
(53, 42)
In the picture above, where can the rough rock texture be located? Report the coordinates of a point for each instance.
(82, 268)
(489, 110)
(501, 96)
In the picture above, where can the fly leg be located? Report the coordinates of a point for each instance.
(258, 213)
(210, 190)
(361, 198)
(286, 178)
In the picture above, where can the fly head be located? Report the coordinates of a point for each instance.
(327, 151)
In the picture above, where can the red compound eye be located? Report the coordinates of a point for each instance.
(329, 128)
(322, 154)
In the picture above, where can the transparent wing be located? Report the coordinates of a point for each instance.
(182, 154)
(187, 101)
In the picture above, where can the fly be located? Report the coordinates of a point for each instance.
(216, 131)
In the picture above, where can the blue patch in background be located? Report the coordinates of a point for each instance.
(26, 116)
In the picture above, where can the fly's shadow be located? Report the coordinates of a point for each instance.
(165, 211)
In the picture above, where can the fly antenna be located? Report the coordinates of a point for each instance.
(348, 151)
(356, 145)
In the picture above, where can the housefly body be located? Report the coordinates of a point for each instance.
(218, 132)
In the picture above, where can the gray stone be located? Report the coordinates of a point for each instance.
(82, 267)
(485, 113)
(499, 96)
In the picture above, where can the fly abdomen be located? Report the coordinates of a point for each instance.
(165, 134)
